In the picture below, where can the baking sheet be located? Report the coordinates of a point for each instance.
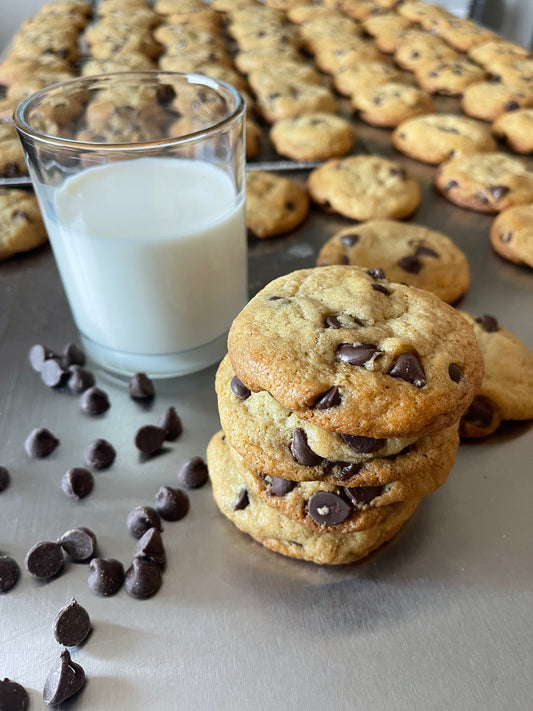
(439, 618)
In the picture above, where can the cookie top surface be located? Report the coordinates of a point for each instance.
(516, 127)
(436, 137)
(485, 182)
(365, 187)
(274, 204)
(391, 103)
(314, 136)
(406, 252)
(356, 354)
(21, 225)
(511, 234)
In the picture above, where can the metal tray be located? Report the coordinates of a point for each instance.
(439, 618)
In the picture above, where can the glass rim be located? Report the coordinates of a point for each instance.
(197, 78)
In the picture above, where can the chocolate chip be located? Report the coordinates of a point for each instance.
(72, 355)
(243, 500)
(40, 443)
(364, 354)
(332, 321)
(94, 401)
(410, 263)
(171, 423)
(79, 379)
(448, 129)
(4, 478)
(165, 93)
(506, 238)
(347, 470)
(150, 546)
(77, 483)
(511, 106)
(451, 184)
(302, 452)
(52, 374)
(423, 251)
(192, 473)
(361, 445)
(13, 696)
(9, 574)
(498, 191)
(39, 355)
(143, 578)
(64, 679)
(79, 543)
(44, 560)
(330, 398)
(480, 412)
(280, 487)
(239, 389)
(290, 206)
(100, 454)
(482, 198)
(105, 576)
(455, 373)
(349, 240)
(382, 289)
(399, 173)
(72, 624)
(358, 495)
(376, 273)
(149, 438)
(142, 518)
(488, 323)
(408, 367)
(172, 504)
(328, 509)
(141, 387)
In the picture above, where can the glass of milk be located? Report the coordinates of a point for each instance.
(140, 177)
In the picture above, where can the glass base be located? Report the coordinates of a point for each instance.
(166, 365)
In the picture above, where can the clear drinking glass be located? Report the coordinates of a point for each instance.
(140, 177)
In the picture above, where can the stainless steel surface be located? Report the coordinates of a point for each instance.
(438, 619)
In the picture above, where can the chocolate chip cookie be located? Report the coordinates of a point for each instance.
(274, 204)
(21, 224)
(511, 234)
(313, 136)
(389, 104)
(516, 128)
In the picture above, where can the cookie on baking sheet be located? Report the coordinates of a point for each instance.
(274, 204)
(351, 352)
(507, 387)
(407, 253)
(435, 138)
(385, 30)
(12, 161)
(462, 34)
(448, 77)
(127, 62)
(487, 100)
(485, 182)
(511, 234)
(13, 69)
(517, 72)
(389, 104)
(516, 127)
(422, 12)
(364, 187)
(415, 48)
(34, 43)
(259, 57)
(282, 73)
(497, 51)
(21, 225)
(278, 533)
(294, 99)
(314, 136)
(331, 58)
(351, 79)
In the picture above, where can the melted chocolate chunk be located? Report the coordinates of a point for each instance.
(328, 509)
(105, 576)
(100, 454)
(347, 470)
(171, 423)
(361, 445)
(239, 389)
(488, 323)
(358, 495)
(350, 239)
(172, 504)
(77, 483)
(498, 191)
(193, 473)
(79, 543)
(72, 355)
(280, 487)
(149, 438)
(410, 263)
(44, 560)
(79, 379)
(9, 574)
(13, 696)
(39, 355)
(332, 321)
(407, 367)
(243, 500)
(150, 546)
(364, 354)
(302, 452)
(141, 387)
(382, 289)
(330, 398)
(141, 519)
(376, 273)
(64, 679)
(72, 624)
(94, 401)
(4, 478)
(480, 411)
(455, 373)
(40, 443)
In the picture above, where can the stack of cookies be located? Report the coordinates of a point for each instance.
(339, 400)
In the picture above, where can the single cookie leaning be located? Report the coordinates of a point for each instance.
(354, 353)
(280, 534)
(274, 204)
(407, 253)
(485, 182)
(314, 136)
(511, 234)
(21, 225)
(365, 187)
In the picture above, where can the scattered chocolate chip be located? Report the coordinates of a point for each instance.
(52, 373)
(347, 470)
(150, 545)
(100, 454)
(149, 438)
(498, 191)
(302, 452)
(172, 504)
(488, 323)
(72, 355)
(358, 495)
(332, 321)
(243, 500)
(141, 387)
(79, 379)
(408, 367)
(94, 401)
(13, 696)
(77, 483)
(361, 445)
(72, 624)
(143, 578)
(142, 518)
(455, 373)
(239, 389)
(64, 679)
(79, 543)
(480, 412)
(410, 263)
(328, 509)
(350, 239)
(451, 184)
(382, 289)
(4, 478)
(171, 423)
(40, 443)
(364, 354)
(105, 576)
(376, 273)
(44, 560)
(9, 574)
(193, 473)
(330, 398)
(280, 487)
(39, 355)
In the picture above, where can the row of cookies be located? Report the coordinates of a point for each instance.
(339, 401)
